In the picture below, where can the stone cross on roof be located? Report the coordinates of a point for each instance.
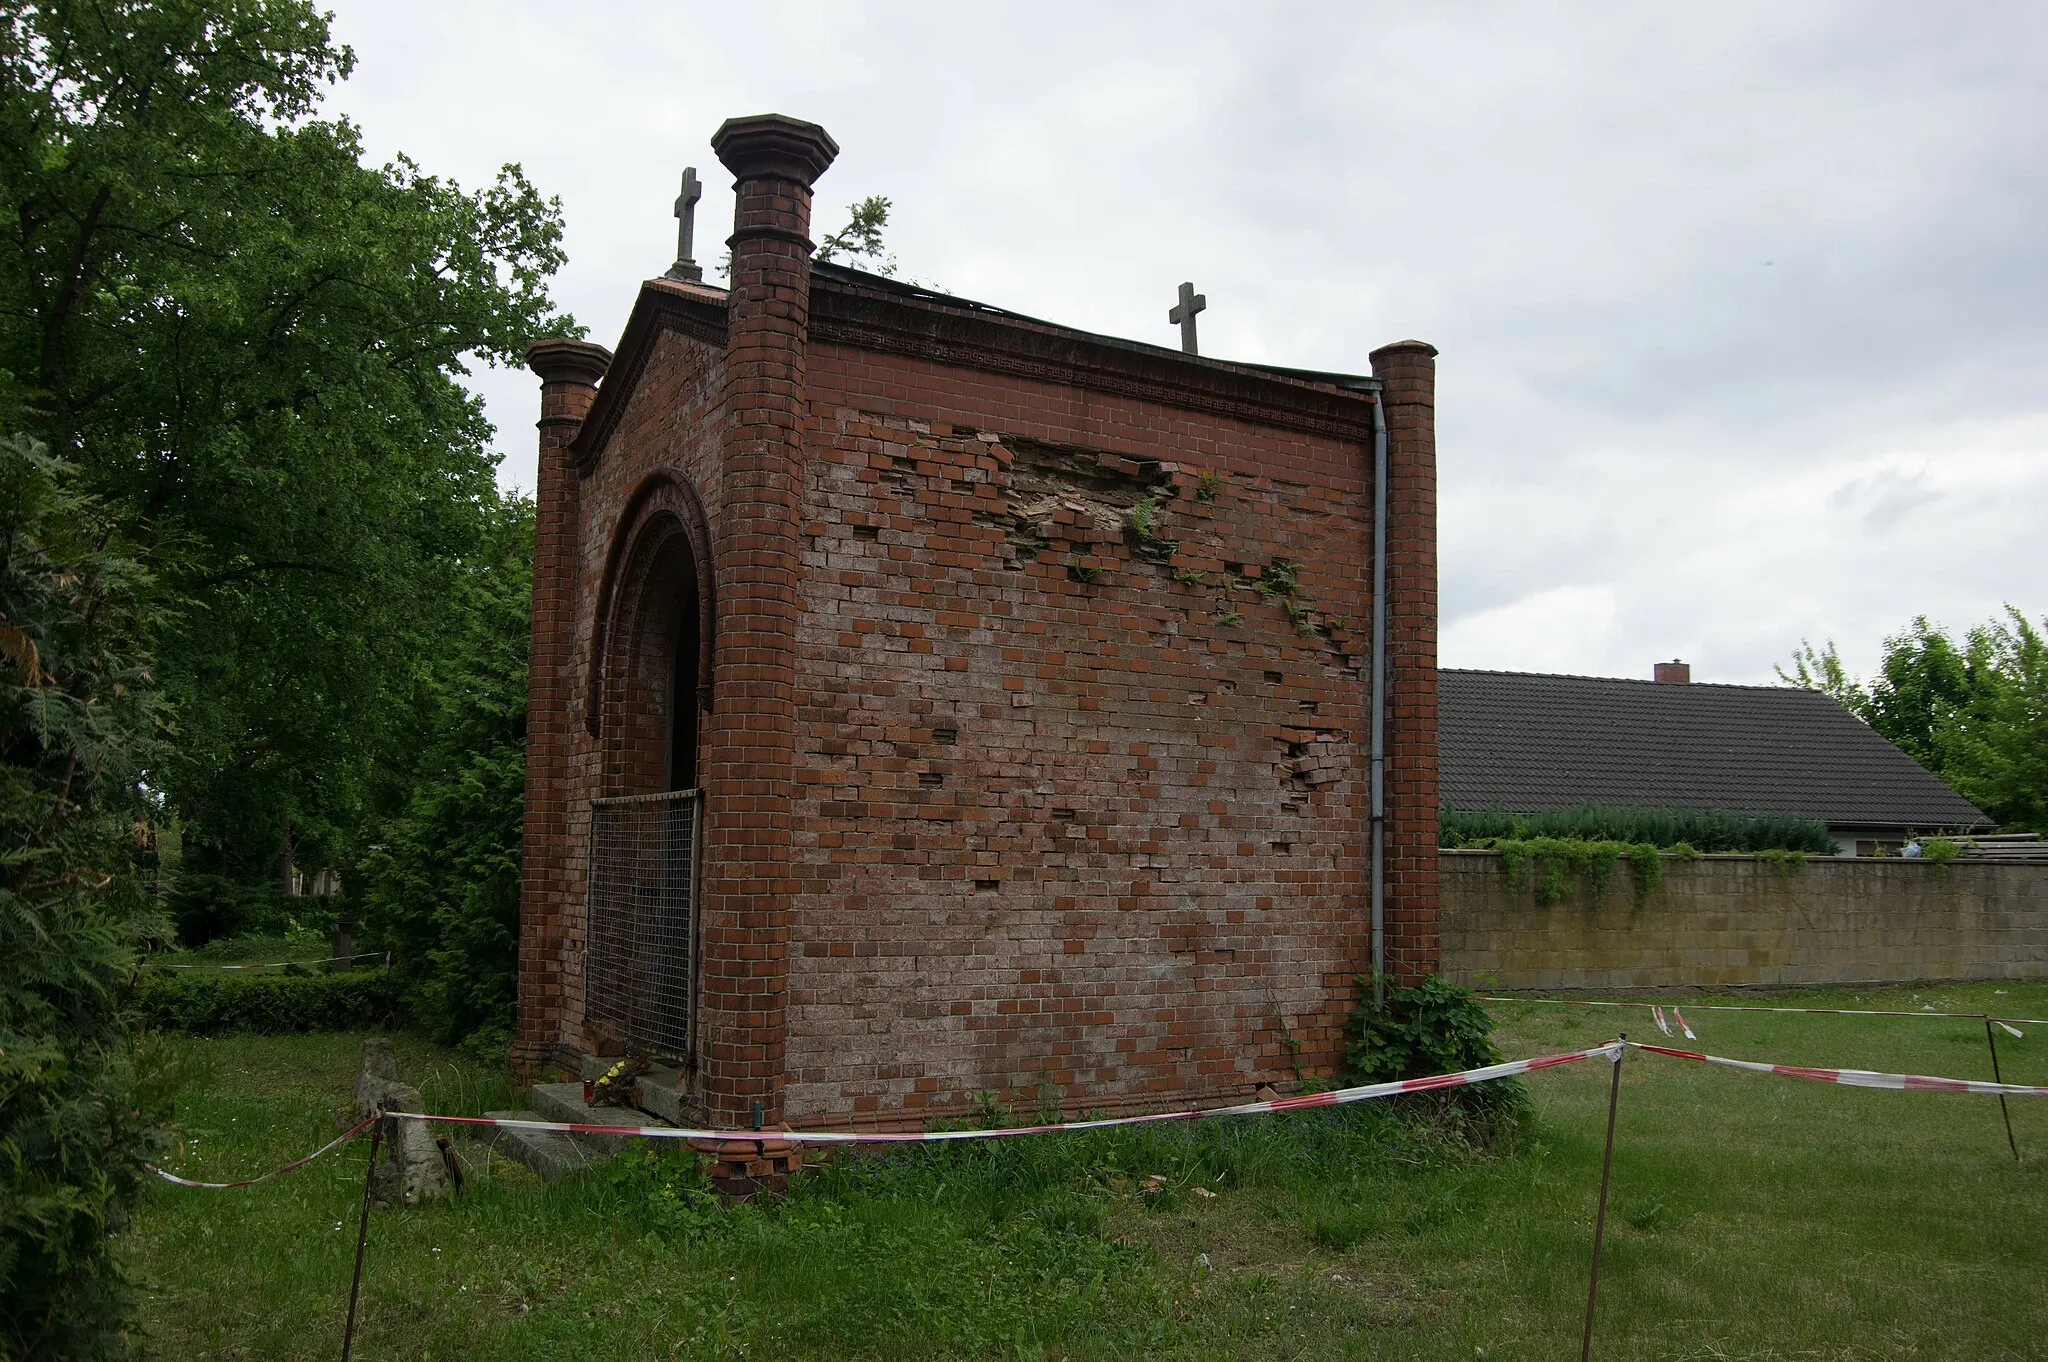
(1183, 316)
(686, 227)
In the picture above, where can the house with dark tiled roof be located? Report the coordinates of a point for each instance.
(1526, 743)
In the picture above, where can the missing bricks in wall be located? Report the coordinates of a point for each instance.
(945, 737)
(1084, 496)
(1312, 758)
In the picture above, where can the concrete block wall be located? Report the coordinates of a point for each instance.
(1725, 921)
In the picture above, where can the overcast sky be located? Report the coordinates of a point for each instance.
(1742, 307)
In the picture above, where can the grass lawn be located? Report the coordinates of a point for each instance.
(1753, 1217)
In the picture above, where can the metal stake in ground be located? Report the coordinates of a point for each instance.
(1992, 1041)
(348, 1332)
(1600, 1217)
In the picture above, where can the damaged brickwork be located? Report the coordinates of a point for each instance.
(1058, 782)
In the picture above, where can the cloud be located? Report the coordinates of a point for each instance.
(1544, 631)
(1574, 202)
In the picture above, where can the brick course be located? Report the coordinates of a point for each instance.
(1035, 753)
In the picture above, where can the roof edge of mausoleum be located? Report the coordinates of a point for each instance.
(867, 312)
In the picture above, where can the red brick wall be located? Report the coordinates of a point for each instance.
(999, 791)
(1091, 832)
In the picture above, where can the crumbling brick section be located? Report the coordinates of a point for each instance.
(1407, 371)
(569, 371)
(745, 922)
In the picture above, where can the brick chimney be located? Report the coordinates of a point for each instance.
(1672, 673)
(749, 772)
(569, 371)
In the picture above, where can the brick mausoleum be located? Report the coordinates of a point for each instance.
(1020, 679)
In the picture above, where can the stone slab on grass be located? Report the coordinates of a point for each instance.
(545, 1152)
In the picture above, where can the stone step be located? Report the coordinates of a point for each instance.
(549, 1154)
(659, 1092)
(564, 1102)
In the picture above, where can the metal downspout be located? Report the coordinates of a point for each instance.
(1379, 699)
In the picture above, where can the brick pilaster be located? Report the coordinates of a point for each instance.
(749, 769)
(1407, 371)
(569, 371)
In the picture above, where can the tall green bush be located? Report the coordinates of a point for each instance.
(442, 884)
(251, 337)
(1974, 712)
(77, 739)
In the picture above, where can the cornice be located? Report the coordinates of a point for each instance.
(901, 322)
(904, 324)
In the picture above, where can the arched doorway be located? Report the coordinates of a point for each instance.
(650, 690)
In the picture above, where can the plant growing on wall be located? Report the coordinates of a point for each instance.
(1553, 865)
(1436, 1027)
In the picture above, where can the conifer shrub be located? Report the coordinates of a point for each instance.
(77, 730)
(1703, 830)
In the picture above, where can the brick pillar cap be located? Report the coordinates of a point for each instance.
(561, 360)
(1423, 348)
(774, 146)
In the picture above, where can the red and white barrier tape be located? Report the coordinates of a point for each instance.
(1336, 1097)
(1810, 1011)
(1854, 1078)
(1315, 1099)
(332, 1144)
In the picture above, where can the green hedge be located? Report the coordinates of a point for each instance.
(207, 1004)
(1701, 829)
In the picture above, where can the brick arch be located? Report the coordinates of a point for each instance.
(660, 560)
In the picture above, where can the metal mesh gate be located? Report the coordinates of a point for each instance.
(640, 962)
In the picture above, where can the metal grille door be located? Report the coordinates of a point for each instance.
(640, 964)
